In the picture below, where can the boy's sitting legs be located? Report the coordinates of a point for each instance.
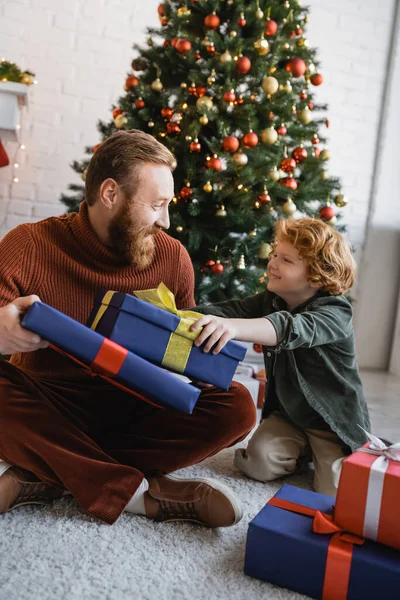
(328, 454)
(273, 451)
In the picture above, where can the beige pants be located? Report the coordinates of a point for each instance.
(276, 445)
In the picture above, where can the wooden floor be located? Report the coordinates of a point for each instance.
(382, 392)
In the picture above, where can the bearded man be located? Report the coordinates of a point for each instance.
(64, 431)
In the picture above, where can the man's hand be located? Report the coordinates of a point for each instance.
(215, 329)
(13, 337)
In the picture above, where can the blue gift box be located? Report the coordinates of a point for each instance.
(283, 549)
(146, 330)
(135, 373)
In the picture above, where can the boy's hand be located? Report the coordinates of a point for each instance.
(215, 329)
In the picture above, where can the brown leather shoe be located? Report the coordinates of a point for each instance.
(202, 501)
(19, 487)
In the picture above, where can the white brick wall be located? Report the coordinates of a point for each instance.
(81, 52)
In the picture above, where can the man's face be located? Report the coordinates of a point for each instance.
(140, 218)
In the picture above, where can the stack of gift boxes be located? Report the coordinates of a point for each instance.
(348, 550)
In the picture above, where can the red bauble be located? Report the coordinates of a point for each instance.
(183, 45)
(164, 21)
(173, 42)
(209, 263)
(288, 165)
(311, 105)
(299, 31)
(241, 21)
(271, 27)
(139, 64)
(131, 82)
(250, 139)
(217, 269)
(326, 213)
(299, 154)
(161, 10)
(230, 143)
(289, 182)
(264, 198)
(271, 115)
(315, 140)
(316, 79)
(200, 91)
(303, 95)
(239, 101)
(214, 163)
(296, 66)
(243, 65)
(212, 21)
(116, 112)
(166, 43)
(173, 128)
(210, 48)
(139, 103)
(281, 130)
(96, 147)
(317, 152)
(230, 96)
(167, 112)
(186, 192)
(258, 348)
(195, 147)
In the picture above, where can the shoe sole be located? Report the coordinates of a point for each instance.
(30, 502)
(219, 487)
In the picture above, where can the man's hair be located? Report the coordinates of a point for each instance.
(329, 260)
(120, 157)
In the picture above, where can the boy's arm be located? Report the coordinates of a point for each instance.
(248, 308)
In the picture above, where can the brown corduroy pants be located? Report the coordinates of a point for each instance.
(98, 442)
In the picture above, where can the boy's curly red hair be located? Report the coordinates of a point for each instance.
(329, 259)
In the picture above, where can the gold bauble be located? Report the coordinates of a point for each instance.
(332, 221)
(233, 33)
(324, 175)
(157, 86)
(240, 159)
(270, 85)
(261, 46)
(341, 200)
(241, 264)
(269, 136)
(204, 102)
(259, 13)
(150, 42)
(150, 124)
(179, 229)
(289, 207)
(253, 233)
(183, 84)
(265, 251)
(226, 57)
(286, 87)
(207, 187)
(302, 43)
(120, 121)
(274, 174)
(286, 46)
(325, 155)
(26, 79)
(83, 175)
(221, 212)
(304, 115)
(203, 119)
(183, 11)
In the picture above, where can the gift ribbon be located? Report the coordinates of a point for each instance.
(106, 364)
(180, 342)
(376, 481)
(340, 549)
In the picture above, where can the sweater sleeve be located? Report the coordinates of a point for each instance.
(17, 255)
(185, 283)
(251, 307)
(322, 325)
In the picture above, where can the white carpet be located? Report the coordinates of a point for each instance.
(59, 553)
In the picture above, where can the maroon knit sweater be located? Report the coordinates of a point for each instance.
(62, 260)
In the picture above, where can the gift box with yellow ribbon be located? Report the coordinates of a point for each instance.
(149, 324)
(294, 542)
(109, 360)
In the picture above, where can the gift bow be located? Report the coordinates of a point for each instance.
(181, 340)
(379, 448)
(340, 549)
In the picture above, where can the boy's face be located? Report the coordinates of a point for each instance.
(287, 273)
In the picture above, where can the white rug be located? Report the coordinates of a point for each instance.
(59, 553)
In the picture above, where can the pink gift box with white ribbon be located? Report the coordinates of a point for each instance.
(368, 498)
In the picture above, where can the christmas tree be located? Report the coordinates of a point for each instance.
(227, 86)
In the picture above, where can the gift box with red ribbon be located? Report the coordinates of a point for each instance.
(110, 360)
(368, 495)
(294, 542)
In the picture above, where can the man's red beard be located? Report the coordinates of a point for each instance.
(132, 242)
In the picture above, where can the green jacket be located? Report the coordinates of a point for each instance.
(315, 354)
